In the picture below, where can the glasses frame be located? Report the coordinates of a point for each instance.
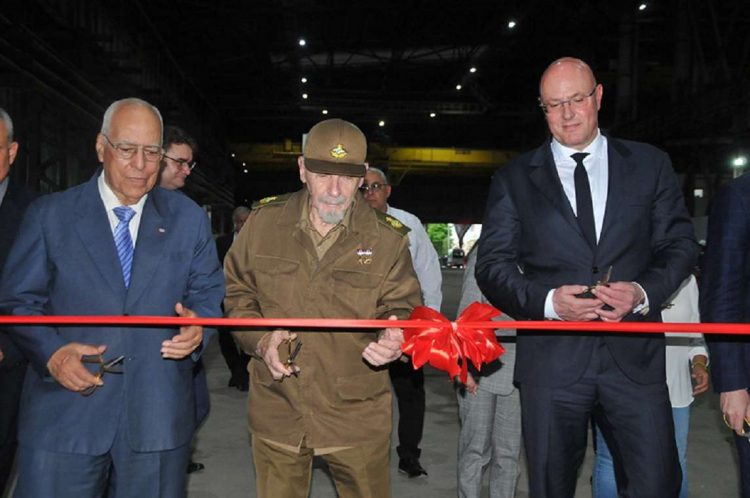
(129, 155)
(572, 102)
(182, 163)
(109, 366)
(373, 187)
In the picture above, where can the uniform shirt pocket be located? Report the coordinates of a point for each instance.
(276, 279)
(356, 292)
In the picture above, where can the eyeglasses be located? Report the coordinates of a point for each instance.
(124, 150)
(183, 162)
(371, 188)
(575, 102)
(104, 367)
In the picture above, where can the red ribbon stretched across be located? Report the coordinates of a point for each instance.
(431, 337)
(449, 346)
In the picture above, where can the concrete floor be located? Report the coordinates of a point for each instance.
(222, 444)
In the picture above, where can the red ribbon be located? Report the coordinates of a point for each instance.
(449, 346)
(430, 337)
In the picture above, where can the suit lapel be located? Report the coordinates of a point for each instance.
(149, 247)
(543, 175)
(617, 166)
(94, 230)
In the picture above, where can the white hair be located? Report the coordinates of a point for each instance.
(117, 104)
(380, 173)
(8, 124)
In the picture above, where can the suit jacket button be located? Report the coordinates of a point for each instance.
(595, 269)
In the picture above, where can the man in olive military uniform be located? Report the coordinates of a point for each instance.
(322, 252)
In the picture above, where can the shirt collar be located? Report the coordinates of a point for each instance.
(111, 201)
(4, 188)
(562, 152)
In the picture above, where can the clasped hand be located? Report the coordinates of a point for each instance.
(621, 296)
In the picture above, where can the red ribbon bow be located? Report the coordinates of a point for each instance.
(443, 344)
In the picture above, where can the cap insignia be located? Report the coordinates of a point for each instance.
(338, 152)
(266, 200)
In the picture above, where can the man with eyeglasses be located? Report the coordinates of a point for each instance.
(114, 245)
(178, 162)
(321, 252)
(588, 227)
(408, 383)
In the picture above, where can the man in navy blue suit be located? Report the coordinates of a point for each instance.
(558, 219)
(14, 199)
(725, 297)
(115, 245)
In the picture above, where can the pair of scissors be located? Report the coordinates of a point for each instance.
(292, 355)
(109, 366)
(587, 294)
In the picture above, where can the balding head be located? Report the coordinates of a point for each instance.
(571, 98)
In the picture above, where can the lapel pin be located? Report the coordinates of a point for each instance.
(364, 256)
(161, 230)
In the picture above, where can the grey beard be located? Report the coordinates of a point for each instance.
(331, 217)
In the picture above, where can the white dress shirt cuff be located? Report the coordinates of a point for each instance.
(549, 308)
(641, 309)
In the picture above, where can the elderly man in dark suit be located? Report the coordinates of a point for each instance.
(14, 199)
(558, 219)
(115, 245)
(725, 297)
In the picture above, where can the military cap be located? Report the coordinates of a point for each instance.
(335, 147)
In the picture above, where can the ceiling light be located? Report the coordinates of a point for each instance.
(244, 164)
(245, 170)
(642, 6)
(381, 123)
(302, 42)
(325, 111)
(303, 79)
(458, 87)
(473, 70)
(511, 24)
(739, 161)
(232, 154)
(432, 114)
(304, 95)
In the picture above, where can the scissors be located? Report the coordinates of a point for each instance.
(587, 294)
(292, 355)
(110, 366)
(745, 426)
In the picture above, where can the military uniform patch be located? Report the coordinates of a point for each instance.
(392, 222)
(271, 200)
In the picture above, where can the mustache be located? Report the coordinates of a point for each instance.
(334, 200)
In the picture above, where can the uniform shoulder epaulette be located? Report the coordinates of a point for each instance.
(391, 222)
(271, 201)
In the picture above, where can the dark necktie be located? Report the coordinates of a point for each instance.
(584, 206)
(123, 241)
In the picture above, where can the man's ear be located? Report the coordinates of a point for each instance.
(302, 170)
(99, 146)
(12, 151)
